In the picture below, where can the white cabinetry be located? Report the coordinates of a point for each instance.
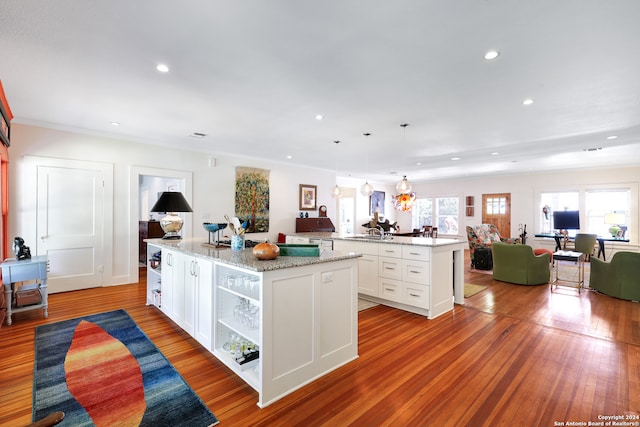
(367, 264)
(186, 293)
(301, 319)
(416, 278)
(306, 326)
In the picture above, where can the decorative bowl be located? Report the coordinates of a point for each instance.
(213, 226)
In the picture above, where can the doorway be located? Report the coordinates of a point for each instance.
(496, 210)
(346, 207)
(145, 184)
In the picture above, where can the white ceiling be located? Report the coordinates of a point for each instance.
(253, 74)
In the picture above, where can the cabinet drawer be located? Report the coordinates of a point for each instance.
(390, 268)
(23, 271)
(357, 247)
(419, 253)
(415, 271)
(390, 289)
(391, 251)
(416, 295)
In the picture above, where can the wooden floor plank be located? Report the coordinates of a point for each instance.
(511, 355)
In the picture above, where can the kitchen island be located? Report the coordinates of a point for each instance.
(298, 315)
(417, 274)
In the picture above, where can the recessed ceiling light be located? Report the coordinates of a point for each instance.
(455, 158)
(612, 137)
(115, 124)
(162, 68)
(495, 153)
(418, 163)
(198, 135)
(319, 117)
(289, 157)
(492, 54)
(527, 101)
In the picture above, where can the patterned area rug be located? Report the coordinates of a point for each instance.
(103, 370)
(363, 304)
(470, 290)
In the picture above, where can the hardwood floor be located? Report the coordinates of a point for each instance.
(512, 355)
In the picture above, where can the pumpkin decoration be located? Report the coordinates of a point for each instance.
(266, 250)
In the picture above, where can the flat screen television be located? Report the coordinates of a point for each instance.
(566, 220)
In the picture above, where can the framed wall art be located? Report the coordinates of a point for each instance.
(376, 203)
(308, 197)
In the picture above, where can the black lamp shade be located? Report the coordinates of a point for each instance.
(171, 201)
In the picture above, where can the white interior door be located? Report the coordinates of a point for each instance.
(70, 223)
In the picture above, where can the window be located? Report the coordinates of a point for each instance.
(598, 203)
(561, 201)
(593, 205)
(442, 214)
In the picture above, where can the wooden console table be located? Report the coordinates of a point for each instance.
(20, 271)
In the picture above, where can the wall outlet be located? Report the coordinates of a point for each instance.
(327, 277)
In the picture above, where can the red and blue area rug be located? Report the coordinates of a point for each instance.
(103, 370)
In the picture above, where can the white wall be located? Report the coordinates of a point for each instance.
(213, 187)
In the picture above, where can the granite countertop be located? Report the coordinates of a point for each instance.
(245, 258)
(397, 240)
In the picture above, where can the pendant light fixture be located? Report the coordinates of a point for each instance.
(336, 193)
(403, 187)
(366, 189)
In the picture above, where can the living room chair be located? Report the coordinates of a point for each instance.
(484, 235)
(619, 277)
(586, 244)
(518, 264)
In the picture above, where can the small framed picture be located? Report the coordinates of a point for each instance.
(308, 197)
(376, 203)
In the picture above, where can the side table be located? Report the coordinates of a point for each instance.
(19, 271)
(576, 257)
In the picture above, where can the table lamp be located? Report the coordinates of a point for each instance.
(614, 220)
(171, 202)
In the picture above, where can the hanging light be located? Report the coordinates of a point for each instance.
(337, 192)
(403, 187)
(366, 189)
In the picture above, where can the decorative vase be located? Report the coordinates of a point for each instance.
(237, 242)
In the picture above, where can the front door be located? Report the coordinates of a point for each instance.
(496, 210)
(70, 222)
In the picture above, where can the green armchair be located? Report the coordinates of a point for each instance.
(518, 264)
(619, 277)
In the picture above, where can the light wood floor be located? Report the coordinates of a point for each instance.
(512, 355)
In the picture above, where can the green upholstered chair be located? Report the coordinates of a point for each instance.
(619, 277)
(518, 264)
(586, 244)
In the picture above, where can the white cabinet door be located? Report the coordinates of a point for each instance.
(368, 275)
(204, 303)
(168, 262)
(176, 310)
(190, 283)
